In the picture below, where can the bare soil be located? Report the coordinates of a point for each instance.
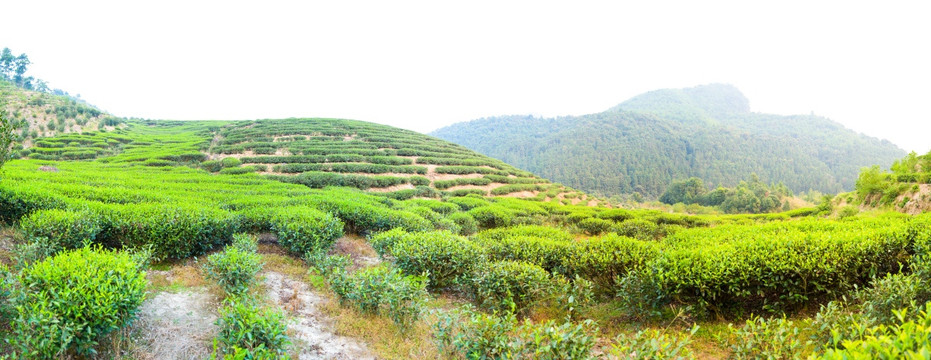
(309, 330)
(177, 326)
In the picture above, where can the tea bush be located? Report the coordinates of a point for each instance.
(67, 229)
(907, 339)
(616, 215)
(551, 341)
(383, 242)
(637, 228)
(246, 328)
(603, 259)
(444, 256)
(68, 303)
(503, 286)
(546, 253)
(544, 232)
(467, 203)
(233, 269)
(761, 338)
(303, 229)
(653, 345)
(491, 216)
(383, 290)
(594, 226)
(245, 242)
(467, 224)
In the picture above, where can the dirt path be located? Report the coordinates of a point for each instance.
(177, 325)
(310, 331)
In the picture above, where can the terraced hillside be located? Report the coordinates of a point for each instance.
(37, 114)
(314, 152)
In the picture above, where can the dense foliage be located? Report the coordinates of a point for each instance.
(645, 143)
(752, 196)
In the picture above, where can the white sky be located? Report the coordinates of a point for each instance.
(425, 64)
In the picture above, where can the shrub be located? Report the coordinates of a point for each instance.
(906, 339)
(233, 269)
(848, 211)
(383, 290)
(467, 224)
(653, 345)
(491, 216)
(35, 250)
(551, 341)
(546, 253)
(6, 293)
(67, 229)
(760, 338)
(509, 286)
(245, 242)
(212, 166)
(467, 203)
(637, 228)
(303, 229)
(69, 302)
(229, 162)
(383, 242)
(444, 256)
(640, 293)
(889, 293)
(243, 327)
(604, 259)
(594, 226)
(544, 232)
(616, 215)
(572, 294)
(476, 335)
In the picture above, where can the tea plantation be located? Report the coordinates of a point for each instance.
(459, 273)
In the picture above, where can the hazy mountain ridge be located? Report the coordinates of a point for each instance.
(708, 131)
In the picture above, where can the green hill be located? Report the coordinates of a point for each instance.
(645, 143)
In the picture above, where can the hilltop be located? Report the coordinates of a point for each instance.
(650, 140)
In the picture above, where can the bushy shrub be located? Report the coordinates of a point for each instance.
(246, 328)
(233, 269)
(467, 224)
(229, 162)
(68, 229)
(6, 292)
(18, 200)
(906, 339)
(546, 253)
(640, 293)
(383, 290)
(544, 232)
(653, 345)
(467, 203)
(760, 338)
(444, 256)
(69, 302)
(594, 226)
(606, 258)
(616, 215)
(637, 228)
(491, 216)
(303, 229)
(551, 341)
(383, 242)
(573, 294)
(212, 166)
(245, 242)
(503, 286)
(886, 294)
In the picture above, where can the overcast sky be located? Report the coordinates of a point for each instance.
(426, 64)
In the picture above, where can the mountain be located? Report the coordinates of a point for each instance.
(652, 139)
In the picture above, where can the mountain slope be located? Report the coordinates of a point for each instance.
(643, 144)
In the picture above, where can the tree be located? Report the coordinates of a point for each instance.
(684, 191)
(871, 181)
(6, 138)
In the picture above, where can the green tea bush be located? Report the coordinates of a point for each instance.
(233, 269)
(637, 228)
(383, 290)
(68, 229)
(245, 242)
(907, 339)
(212, 166)
(653, 345)
(304, 229)
(503, 286)
(34, 250)
(571, 295)
(18, 200)
(543, 252)
(491, 216)
(467, 224)
(551, 341)
(616, 215)
(594, 226)
(640, 294)
(887, 294)
(68, 303)
(245, 326)
(603, 259)
(173, 230)
(444, 256)
(7, 282)
(229, 162)
(383, 242)
(476, 335)
(467, 203)
(760, 338)
(544, 232)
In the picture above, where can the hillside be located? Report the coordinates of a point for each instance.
(645, 143)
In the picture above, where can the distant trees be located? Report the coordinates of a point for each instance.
(750, 196)
(6, 138)
(13, 69)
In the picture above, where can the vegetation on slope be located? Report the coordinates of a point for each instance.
(642, 145)
(751, 196)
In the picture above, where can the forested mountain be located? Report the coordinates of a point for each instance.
(643, 144)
